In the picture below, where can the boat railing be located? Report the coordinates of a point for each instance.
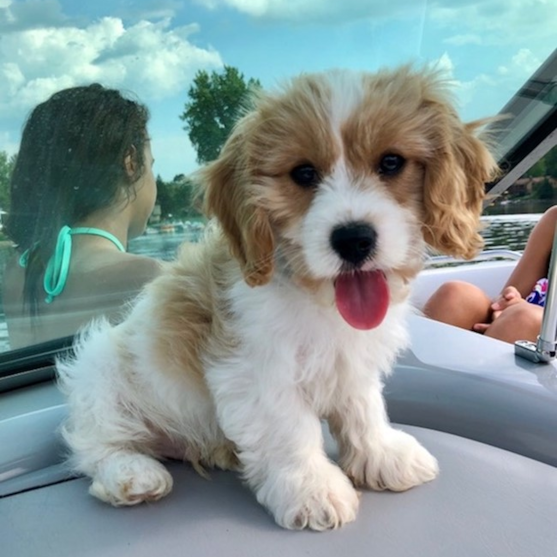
(486, 255)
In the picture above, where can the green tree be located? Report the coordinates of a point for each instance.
(546, 166)
(175, 198)
(543, 190)
(537, 170)
(164, 197)
(215, 102)
(6, 167)
(550, 160)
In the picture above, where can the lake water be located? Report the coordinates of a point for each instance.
(508, 225)
(502, 230)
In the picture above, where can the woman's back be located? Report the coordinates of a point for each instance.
(82, 187)
(101, 282)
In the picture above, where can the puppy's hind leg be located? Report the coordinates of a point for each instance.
(105, 429)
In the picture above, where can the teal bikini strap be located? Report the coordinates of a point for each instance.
(98, 232)
(58, 268)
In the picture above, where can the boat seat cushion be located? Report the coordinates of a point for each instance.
(486, 502)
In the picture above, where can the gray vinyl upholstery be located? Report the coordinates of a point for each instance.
(486, 502)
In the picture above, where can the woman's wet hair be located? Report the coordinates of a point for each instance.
(71, 163)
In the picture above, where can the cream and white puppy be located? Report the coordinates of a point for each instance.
(293, 308)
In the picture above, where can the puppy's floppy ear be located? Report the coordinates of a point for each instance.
(455, 186)
(230, 196)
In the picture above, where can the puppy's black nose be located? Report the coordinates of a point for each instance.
(354, 242)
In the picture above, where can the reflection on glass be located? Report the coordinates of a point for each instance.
(191, 62)
(81, 187)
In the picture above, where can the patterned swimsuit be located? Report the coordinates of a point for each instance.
(538, 294)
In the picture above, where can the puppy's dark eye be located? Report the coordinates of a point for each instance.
(305, 175)
(390, 165)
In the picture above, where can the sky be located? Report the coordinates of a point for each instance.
(154, 49)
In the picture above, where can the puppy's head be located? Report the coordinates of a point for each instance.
(342, 173)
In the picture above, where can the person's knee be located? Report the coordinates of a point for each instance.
(518, 322)
(458, 290)
(454, 294)
(458, 303)
(525, 314)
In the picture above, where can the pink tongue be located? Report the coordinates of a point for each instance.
(362, 298)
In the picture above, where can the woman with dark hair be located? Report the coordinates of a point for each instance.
(82, 186)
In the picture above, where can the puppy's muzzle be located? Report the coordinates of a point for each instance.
(354, 242)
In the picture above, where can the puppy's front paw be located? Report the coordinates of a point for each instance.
(398, 463)
(319, 501)
(129, 479)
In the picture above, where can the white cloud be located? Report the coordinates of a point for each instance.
(470, 92)
(483, 93)
(498, 21)
(445, 63)
(151, 59)
(526, 61)
(461, 40)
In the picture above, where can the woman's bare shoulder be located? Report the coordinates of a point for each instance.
(123, 271)
(145, 266)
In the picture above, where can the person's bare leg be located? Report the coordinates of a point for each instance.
(521, 321)
(460, 304)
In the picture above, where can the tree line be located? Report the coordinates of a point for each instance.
(545, 173)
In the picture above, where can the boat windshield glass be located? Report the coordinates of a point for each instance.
(108, 107)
